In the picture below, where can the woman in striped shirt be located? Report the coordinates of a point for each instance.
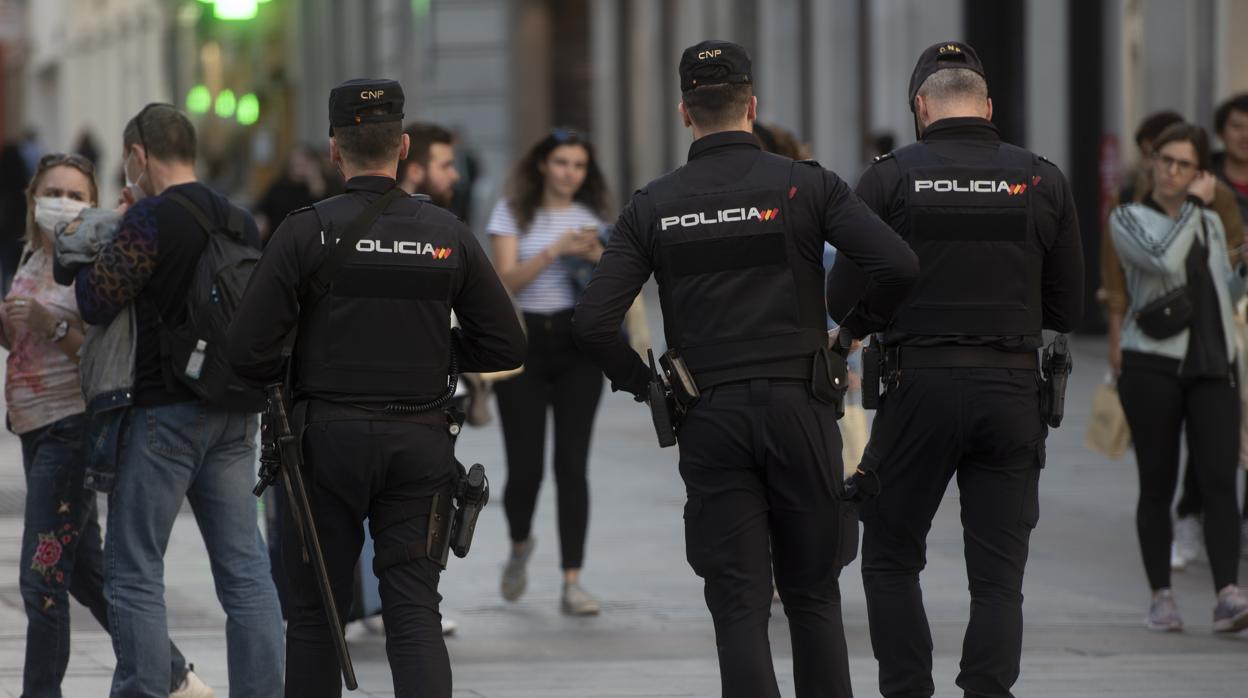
(544, 234)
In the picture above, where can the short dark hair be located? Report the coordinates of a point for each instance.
(423, 135)
(716, 106)
(370, 143)
(954, 84)
(1154, 124)
(164, 132)
(1190, 133)
(1237, 102)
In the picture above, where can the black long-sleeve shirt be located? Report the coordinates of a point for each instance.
(150, 262)
(492, 339)
(1053, 216)
(822, 208)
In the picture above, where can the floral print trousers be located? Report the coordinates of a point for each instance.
(61, 553)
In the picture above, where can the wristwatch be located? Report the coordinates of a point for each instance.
(60, 331)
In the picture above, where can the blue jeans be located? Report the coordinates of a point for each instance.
(61, 554)
(208, 456)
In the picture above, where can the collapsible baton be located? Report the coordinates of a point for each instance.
(279, 455)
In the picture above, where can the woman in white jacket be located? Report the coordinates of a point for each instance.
(1178, 366)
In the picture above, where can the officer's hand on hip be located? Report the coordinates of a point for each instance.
(834, 337)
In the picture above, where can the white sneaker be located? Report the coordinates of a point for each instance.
(578, 602)
(515, 574)
(192, 687)
(449, 627)
(1187, 538)
(1177, 561)
(1163, 613)
(1230, 615)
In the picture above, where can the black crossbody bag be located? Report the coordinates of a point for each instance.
(1167, 315)
(1171, 313)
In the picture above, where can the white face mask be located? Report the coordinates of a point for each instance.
(134, 185)
(50, 211)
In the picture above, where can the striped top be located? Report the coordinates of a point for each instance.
(552, 291)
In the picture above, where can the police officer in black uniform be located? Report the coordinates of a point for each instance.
(998, 242)
(735, 238)
(371, 345)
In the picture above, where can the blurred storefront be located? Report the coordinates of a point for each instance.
(229, 71)
(87, 66)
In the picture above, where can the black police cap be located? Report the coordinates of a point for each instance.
(714, 62)
(947, 54)
(349, 101)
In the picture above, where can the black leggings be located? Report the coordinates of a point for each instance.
(1158, 406)
(556, 375)
(1190, 501)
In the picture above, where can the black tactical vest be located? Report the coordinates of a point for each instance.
(980, 257)
(383, 327)
(738, 301)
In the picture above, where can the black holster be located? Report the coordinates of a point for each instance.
(662, 413)
(670, 394)
(1055, 371)
(438, 539)
(829, 376)
(472, 493)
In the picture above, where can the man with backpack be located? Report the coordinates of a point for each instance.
(181, 256)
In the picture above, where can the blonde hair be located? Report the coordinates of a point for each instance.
(47, 163)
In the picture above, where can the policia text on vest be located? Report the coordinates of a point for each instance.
(372, 341)
(735, 240)
(997, 237)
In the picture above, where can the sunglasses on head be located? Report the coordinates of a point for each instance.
(72, 159)
(566, 135)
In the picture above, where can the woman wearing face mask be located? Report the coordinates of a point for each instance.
(61, 546)
(543, 234)
(1178, 367)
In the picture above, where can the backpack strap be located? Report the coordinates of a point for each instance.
(319, 282)
(192, 208)
(234, 223)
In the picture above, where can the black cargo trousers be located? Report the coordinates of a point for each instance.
(761, 461)
(387, 471)
(984, 425)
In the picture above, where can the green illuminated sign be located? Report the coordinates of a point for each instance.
(248, 109)
(198, 100)
(226, 103)
(234, 9)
